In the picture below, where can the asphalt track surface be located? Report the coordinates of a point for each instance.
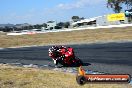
(108, 57)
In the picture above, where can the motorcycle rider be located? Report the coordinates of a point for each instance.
(54, 49)
(62, 53)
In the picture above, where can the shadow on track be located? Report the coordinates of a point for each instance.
(86, 64)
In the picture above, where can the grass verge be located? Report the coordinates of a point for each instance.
(17, 77)
(74, 37)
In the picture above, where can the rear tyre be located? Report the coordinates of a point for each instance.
(78, 62)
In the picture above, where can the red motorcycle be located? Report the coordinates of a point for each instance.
(64, 56)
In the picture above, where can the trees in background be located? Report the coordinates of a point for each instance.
(75, 18)
(116, 5)
(44, 25)
(66, 24)
(6, 29)
(63, 24)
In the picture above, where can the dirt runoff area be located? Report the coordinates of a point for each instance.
(71, 37)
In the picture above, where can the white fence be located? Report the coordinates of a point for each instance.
(72, 29)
